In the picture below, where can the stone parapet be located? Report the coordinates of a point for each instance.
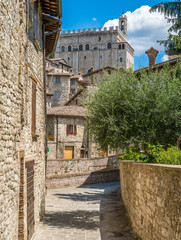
(151, 194)
(80, 179)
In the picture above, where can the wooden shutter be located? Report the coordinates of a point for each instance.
(67, 129)
(33, 108)
(75, 130)
(36, 20)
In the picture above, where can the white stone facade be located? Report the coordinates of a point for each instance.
(98, 48)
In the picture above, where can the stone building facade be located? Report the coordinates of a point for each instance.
(61, 82)
(22, 113)
(70, 139)
(98, 48)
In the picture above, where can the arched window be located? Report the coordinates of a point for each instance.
(119, 46)
(69, 48)
(121, 59)
(109, 46)
(62, 49)
(123, 46)
(80, 47)
(87, 47)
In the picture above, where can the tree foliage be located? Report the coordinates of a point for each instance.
(126, 108)
(172, 12)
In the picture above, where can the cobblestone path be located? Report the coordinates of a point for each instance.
(93, 212)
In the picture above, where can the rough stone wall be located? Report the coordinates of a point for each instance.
(151, 194)
(19, 60)
(63, 88)
(83, 178)
(98, 55)
(81, 165)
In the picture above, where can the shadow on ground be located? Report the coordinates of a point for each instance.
(84, 220)
(111, 219)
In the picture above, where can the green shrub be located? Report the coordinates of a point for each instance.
(154, 154)
(170, 156)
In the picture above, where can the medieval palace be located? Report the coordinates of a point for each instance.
(98, 48)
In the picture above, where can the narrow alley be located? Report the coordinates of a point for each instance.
(93, 212)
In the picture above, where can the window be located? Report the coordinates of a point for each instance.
(99, 39)
(71, 129)
(123, 46)
(62, 49)
(119, 46)
(87, 47)
(72, 82)
(33, 128)
(69, 48)
(68, 58)
(57, 95)
(101, 57)
(80, 47)
(122, 26)
(109, 71)
(121, 59)
(109, 46)
(57, 81)
(84, 57)
(36, 20)
(72, 92)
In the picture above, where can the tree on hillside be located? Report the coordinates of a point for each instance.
(125, 108)
(172, 12)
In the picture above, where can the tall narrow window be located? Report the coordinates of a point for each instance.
(80, 47)
(36, 20)
(99, 39)
(121, 59)
(87, 47)
(119, 46)
(72, 82)
(57, 80)
(109, 46)
(62, 49)
(69, 48)
(123, 46)
(33, 129)
(57, 95)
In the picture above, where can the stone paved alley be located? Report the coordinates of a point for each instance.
(91, 212)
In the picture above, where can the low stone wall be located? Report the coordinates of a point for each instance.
(152, 196)
(81, 165)
(80, 179)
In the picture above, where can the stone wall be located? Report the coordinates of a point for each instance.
(20, 60)
(151, 194)
(81, 165)
(84, 178)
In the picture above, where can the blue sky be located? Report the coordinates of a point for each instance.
(143, 28)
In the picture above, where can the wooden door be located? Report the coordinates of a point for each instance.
(69, 152)
(30, 201)
(82, 152)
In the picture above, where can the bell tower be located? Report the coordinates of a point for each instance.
(123, 24)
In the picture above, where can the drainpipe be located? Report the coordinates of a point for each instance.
(44, 83)
(56, 137)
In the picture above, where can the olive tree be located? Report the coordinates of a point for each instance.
(128, 107)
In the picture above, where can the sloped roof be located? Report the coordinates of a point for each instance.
(68, 111)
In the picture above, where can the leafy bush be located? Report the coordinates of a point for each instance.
(154, 154)
(170, 156)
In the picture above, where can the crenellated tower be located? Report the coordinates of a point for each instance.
(123, 24)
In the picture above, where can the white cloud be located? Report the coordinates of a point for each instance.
(94, 19)
(144, 29)
(164, 58)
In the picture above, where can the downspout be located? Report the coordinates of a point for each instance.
(56, 137)
(45, 110)
(44, 84)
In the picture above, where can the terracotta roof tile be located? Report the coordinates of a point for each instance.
(69, 111)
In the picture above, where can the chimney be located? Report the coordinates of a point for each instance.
(152, 53)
